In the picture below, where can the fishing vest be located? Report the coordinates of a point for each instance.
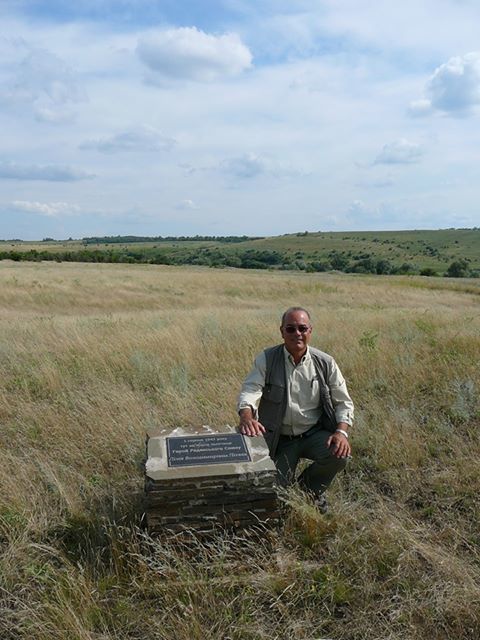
(273, 402)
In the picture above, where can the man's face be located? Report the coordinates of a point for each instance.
(294, 335)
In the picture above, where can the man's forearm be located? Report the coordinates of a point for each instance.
(246, 413)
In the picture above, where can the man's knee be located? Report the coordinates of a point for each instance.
(328, 466)
(339, 464)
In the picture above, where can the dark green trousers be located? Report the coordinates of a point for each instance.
(312, 446)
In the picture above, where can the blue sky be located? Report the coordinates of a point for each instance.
(156, 117)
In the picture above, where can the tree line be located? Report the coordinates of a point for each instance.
(242, 259)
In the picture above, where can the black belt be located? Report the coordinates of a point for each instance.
(300, 435)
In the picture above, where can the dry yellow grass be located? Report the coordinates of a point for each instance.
(92, 355)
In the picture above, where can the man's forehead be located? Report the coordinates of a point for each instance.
(297, 316)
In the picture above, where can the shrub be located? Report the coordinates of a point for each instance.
(458, 269)
(338, 261)
(404, 269)
(428, 271)
(383, 267)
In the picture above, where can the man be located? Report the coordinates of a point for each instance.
(296, 397)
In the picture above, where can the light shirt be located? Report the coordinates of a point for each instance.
(303, 392)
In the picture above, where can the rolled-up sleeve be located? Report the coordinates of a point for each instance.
(252, 387)
(341, 399)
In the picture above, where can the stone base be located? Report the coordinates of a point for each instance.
(205, 498)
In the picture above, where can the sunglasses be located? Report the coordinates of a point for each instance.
(303, 328)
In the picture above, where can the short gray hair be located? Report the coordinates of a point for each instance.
(290, 310)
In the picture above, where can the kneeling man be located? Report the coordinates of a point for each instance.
(296, 396)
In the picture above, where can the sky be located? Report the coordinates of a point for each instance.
(232, 117)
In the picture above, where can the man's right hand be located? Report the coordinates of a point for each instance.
(248, 425)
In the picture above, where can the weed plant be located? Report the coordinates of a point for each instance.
(93, 355)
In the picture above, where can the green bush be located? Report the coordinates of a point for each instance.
(458, 269)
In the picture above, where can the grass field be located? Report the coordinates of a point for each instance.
(94, 354)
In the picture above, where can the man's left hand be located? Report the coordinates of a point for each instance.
(339, 445)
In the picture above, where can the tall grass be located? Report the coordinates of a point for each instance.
(93, 355)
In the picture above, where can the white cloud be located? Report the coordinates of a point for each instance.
(187, 168)
(56, 115)
(44, 82)
(49, 209)
(399, 152)
(390, 25)
(250, 165)
(420, 108)
(359, 208)
(138, 139)
(453, 88)
(187, 204)
(378, 183)
(247, 166)
(188, 53)
(455, 85)
(48, 172)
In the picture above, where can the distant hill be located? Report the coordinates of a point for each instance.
(454, 252)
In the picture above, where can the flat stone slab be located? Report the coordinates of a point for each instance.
(204, 478)
(160, 440)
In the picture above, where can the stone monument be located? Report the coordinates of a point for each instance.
(205, 479)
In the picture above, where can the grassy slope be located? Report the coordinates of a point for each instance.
(434, 249)
(94, 354)
(398, 246)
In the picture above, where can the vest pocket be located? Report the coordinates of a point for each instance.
(273, 393)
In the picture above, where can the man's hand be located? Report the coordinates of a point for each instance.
(339, 444)
(248, 425)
